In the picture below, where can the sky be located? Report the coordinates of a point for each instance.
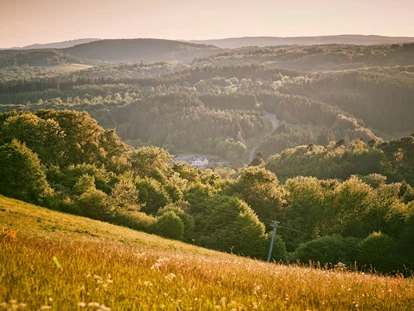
(24, 22)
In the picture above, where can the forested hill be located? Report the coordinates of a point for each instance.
(148, 50)
(56, 45)
(47, 57)
(318, 58)
(273, 41)
(106, 51)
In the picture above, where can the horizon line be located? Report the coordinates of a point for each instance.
(210, 39)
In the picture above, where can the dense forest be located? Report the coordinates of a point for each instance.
(316, 137)
(233, 43)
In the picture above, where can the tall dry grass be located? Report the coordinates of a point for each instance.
(58, 266)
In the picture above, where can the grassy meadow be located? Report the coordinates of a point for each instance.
(55, 261)
(67, 67)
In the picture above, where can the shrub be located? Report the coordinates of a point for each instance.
(95, 204)
(229, 224)
(186, 218)
(134, 220)
(377, 251)
(84, 183)
(328, 249)
(169, 225)
(152, 195)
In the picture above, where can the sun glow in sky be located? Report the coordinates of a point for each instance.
(24, 22)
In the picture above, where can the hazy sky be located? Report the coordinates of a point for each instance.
(24, 22)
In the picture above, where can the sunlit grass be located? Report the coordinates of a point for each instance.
(67, 67)
(72, 263)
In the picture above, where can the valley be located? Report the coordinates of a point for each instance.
(144, 174)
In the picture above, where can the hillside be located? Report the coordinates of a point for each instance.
(317, 58)
(62, 262)
(56, 45)
(18, 58)
(135, 50)
(231, 43)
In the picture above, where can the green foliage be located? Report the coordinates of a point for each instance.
(229, 224)
(328, 162)
(260, 189)
(405, 241)
(46, 57)
(134, 220)
(328, 250)
(76, 137)
(125, 193)
(257, 160)
(186, 218)
(150, 162)
(21, 174)
(374, 180)
(220, 106)
(307, 210)
(352, 200)
(377, 252)
(84, 183)
(95, 204)
(66, 178)
(38, 134)
(169, 225)
(152, 195)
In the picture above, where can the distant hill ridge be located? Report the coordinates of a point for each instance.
(236, 42)
(147, 50)
(304, 40)
(56, 45)
(109, 51)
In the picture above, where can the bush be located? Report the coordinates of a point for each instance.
(377, 252)
(96, 204)
(328, 249)
(170, 226)
(405, 246)
(187, 219)
(152, 195)
(134, 220)
(229, 224)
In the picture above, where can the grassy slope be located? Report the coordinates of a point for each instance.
(67, 67)
(128, 270)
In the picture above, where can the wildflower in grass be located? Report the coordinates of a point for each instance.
(81, 304)
(9, 235)
(170, 277)
(148, 283)
(12, 305)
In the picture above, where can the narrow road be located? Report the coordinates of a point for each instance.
(275, 123)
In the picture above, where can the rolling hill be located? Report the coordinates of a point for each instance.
(317, 40)
(63, 262)
(55, 45)
(10, 58)
(147, 50)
